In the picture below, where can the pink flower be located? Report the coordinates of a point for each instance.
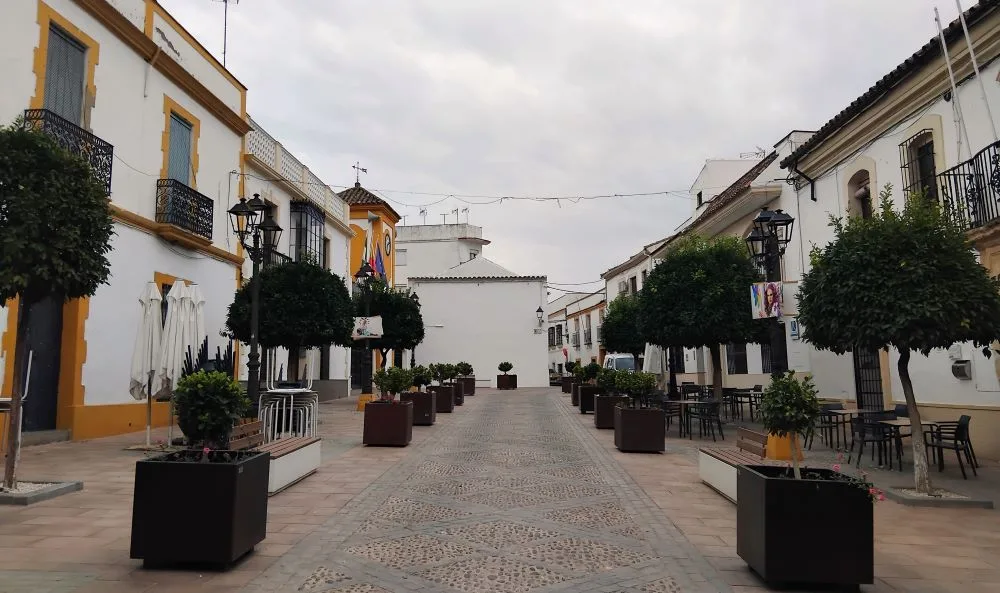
(873, 491)
(206, 450)
(881, 497)
(836, 467)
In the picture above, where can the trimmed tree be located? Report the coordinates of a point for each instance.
(698, 296)
(621, 331)
(905, 280)
(302, 306)
(55, 236)
(402, 324)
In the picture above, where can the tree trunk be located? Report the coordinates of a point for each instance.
(921, 477)
(385, 353)
(716, 351)
(672, 371)
(797, 472)
(14, 424)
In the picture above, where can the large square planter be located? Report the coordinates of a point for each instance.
(567, 384)
(604, 409)
(771, 512)
(640, 430)
(468, 385)
(506, 381)
(574, 394)
(188, 512)
(424, 406)
(459, 391)
(587, 394)
(445, 398)
(388, 424)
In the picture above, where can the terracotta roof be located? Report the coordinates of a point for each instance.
(734, 191)
(930, 50)
(359, 196)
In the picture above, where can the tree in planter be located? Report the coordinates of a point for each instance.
(448, 373)
(590, 372)
(621, 331)
(570, 367)
(698, 296)
(208, 405)
(906, 280)
(436, 371)
(464, 369)
(402, 324)
(607, 381)
(422, 377)
(789, 407)
(302, 306)
(635, 385)
(55, 234)
(505, 367)
(392, 381)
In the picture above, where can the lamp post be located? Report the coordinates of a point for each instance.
(539, 313)
(362, 277)
(772, 230)
(252, 223)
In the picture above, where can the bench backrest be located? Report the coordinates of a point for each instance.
(246, 435)
(751, 442)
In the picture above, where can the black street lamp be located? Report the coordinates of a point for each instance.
(252, 221)
(772, 230)
(363, 279)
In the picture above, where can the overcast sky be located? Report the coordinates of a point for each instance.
(550, 98)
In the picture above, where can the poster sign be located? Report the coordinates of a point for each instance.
(765, 300)
(367, 328)
(793, 328)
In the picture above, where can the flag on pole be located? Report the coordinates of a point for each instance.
(379, 266)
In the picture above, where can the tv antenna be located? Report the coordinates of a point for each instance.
(423, 214)
(444, 219)
(466, 212)
(358, 170)
(225, 26)
(455, 212)
(757, 154)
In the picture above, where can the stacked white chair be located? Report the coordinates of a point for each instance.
(290, 411)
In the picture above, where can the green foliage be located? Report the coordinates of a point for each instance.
(393, 380)
(591, 371)
(436, 372)
(699, 295)
(448, 371)
(402, 324)
(579, 373)
(635, 384)
(903, 279)
(789, 406)
(464, 369)
(620, 331)
(301, 306)
(570, 367)
(607, 380)
(55, 220)
(208, 405)
(422, 376)
(505, 367)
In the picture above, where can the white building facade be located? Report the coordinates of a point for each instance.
(558, 336)
(428, 249)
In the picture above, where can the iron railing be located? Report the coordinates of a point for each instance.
(273, 258)
(183, 207)
(970, 192)
(587, 337)
(76, 140)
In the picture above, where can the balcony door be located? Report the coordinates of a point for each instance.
(179, 158)
(65, 76)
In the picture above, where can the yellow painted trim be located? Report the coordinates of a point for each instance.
(886, 372)
(154, 228)
(7, 343)
(46, 17)
(73, 353)
(198, 47)
(93, 422)
(147, 21)
(932, 122)
(173, 107)
(955, 406)
(161, 278)
(381, 209)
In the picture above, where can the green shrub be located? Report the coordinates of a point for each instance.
(208, 405)
(606, 381)
(505, 367)
(789, 407)
(421, 376)
(393, 380)
(591, 371)
(464, 369)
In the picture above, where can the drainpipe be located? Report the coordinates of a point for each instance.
(812, 182)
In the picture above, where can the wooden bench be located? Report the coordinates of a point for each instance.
(292, 458)
(717, 466)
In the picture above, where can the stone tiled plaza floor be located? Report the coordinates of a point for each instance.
(515, 491)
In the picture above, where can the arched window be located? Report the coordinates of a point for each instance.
(860, 192)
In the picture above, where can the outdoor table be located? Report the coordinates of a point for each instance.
(895, 425)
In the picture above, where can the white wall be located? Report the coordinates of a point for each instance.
(715, 176)
(485, 323)
(584, 352)
(433, 249)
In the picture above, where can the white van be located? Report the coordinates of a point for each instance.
(620, 362)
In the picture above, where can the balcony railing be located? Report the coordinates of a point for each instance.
(274, 258)
(576, 340)
(970, 192)
(587, 341)
(76, 140)
(183, 207)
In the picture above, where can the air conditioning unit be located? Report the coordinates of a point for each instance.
(962, 369)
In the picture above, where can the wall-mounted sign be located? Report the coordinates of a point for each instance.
(765, 300)
(793, 328)
(367, 328)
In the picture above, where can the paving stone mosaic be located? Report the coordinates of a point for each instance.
(583, 556)
(499, 575)
(667, 585)
(404, 511)
(322, 579)
(505, 499)
(359, 588)
(500, 534)
(411, 551)
(594, 516)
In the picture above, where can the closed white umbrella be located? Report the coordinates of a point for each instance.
(196, 320)
(652, 360)
(146, 354)
(172, 345)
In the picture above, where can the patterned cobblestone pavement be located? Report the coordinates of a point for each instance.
(514, 496)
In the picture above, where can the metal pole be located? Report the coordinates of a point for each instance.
(253, 360)
(975, 68)
(779, 349)
(366, 381)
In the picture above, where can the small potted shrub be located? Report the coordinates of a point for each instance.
(467, 377)
(567, 378)
(424, 402)
(608, 399)
(450, 374)
(506, 381)
(389, 422)
(589, 389)
(578, 378)
(638, 429)
(207, 490)
(444, 394)
(773, 503)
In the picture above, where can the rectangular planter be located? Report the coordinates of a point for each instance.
(567, 384)
(468, 385)
(574, 394)
(771, 512)
(445, 398)
(640, 430)
(506, 381)
(388, 424)
(459, 390)
(424, 406)
(587, 394)
(604, 409)
(199, 513)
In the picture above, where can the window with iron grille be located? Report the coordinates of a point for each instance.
(306, 241)
(552, 337)
(559, 335)
(736, 359)
(916, 158)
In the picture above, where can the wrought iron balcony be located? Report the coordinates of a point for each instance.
(184, 208)
(76, 140)
(276, 259)
(970, 192)
(587, 341)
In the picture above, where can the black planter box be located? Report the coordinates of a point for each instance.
(445, 398)
(199, 513)
(459, 390)
(604, 409)
(424, 406)
(567, 384)
(771, 512)
(468, 385)
(574, 394)
(388, 424)
(587, 395)
(506, 381)
(640, 430)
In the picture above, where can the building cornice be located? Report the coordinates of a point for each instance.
(152, 227)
